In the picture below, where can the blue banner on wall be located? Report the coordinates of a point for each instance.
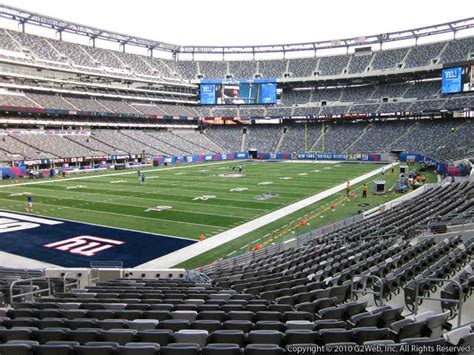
(451, 80)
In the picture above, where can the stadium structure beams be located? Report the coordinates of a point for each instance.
(26, 17)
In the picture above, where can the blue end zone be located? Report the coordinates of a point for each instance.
(50, 240)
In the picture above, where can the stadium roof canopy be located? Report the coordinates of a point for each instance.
(24, 17)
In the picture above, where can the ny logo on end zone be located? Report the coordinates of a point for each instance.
(83, 245)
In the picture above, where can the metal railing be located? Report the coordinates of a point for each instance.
(357, 279)
(301, 240)
(93, 279)
(432, 279)
(33, 289)
(198, 277)
(76, 283)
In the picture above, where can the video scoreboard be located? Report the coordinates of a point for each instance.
(238, 92)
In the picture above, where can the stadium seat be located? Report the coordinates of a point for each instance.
(227, 337)
(180, 349)
(158, 336)
(258, 349)
(195, 336)
(53, 349)
(138, 349)
(221, 349)
(265, 337)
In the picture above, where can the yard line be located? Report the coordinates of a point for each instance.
(204, 188)
(121, 214)
(131, 205)
(187, 202)
(137, 189)
(102, 225)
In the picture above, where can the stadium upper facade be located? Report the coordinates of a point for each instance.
(365, 76)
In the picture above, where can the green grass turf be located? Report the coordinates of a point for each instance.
(326, 216)
(124, 203)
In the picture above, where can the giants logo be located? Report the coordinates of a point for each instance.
(84, 245)
(12, 222)
(451, 73)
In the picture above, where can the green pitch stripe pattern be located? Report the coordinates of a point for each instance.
(181, 202)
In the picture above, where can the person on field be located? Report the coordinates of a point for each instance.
(143, 179)
(348, 188)
(29, 203)
(364, 191)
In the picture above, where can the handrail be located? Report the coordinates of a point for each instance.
(93, 280)
(364, 290)
(74, 283)
(302, 239)
(31, 292)
(458, 301)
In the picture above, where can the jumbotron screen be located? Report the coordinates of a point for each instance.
(238, 92)
(457, 79)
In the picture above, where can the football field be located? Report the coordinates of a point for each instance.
(182, 201)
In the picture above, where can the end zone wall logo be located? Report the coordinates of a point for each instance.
(74, 244)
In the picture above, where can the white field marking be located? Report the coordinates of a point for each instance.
(18, 194)
(158, 208)
(180, 173)
(286, 178)
(327, 168)
(150, 199)
(189, 252)
(108, 200)
(204, 197)
(111, 175)
(235, 251)
(100, 225)
(302, 174)
(75, 187)
(153, 177)
(244, 246)
(265, 183)
(203, 170)
(238, 189)
(29, 218)
(118, 181)
(316, 171)
(130, 216)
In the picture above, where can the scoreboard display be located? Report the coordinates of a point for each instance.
(238, 92)
(455, 80)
